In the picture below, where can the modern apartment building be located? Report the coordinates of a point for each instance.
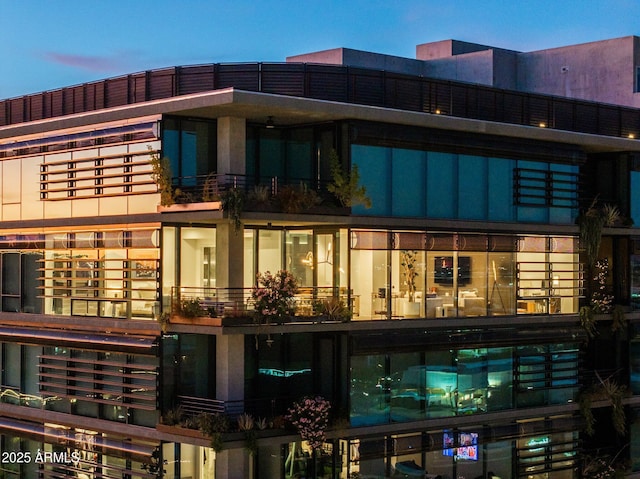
(443, 322)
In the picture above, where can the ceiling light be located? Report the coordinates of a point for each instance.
(270, 123)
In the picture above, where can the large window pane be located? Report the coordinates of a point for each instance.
(197, 257)
(269, 251)
(374, 166)
(500, 189)
(472, 187)
(442, 185)
(408, 182)
(369, 390)
(408, 388)
(299, 253)
(500, 379)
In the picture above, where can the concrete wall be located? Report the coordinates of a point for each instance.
(603, 71)
(362, 59)
(447, 48)
(600, 71)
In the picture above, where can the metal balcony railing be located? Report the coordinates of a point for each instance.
(259, 408)
(237, 302)
(258, 191)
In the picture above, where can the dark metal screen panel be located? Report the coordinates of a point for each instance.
(283, 79)
(327, 82)
(240, 76)
(77, 94)
(161, 83)
(35, 107)
(403, 93)
(137, 88)
(17, 110)
(195, 79)
(563, 114)
(539, 112)
(116, 92)
(586, 118)
(489, 104)
(366, 87)
(608, 120)
(513, 108)
(57, 103)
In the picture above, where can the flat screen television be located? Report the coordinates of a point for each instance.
(467, 446)
(443, 270)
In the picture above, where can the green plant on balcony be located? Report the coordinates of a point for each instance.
(259, 197)
(232, 202)
(591, 223)
(191, 308)
(345, 186)
(333, 308)
(172, 417)
(214, 426)
(246, 424)
(588, 321)
(162, 175)
(210, 189)
(295, 199)
(605, 390)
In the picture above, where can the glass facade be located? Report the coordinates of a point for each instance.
(190, 146)
(457, 275)
(471, 452)
(411, 386)
(413, 183)
(104, 385)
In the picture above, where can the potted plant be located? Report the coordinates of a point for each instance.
(274, 296)
(410, 273)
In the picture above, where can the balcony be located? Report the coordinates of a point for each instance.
(273, 194)
(235, 306)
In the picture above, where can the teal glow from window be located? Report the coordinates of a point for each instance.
(407, 179)
(472, 187)
(635, 197)
(374, 166)
(414, 183)
(500, 188)
(442, 185)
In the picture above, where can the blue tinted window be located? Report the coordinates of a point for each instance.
(500, 189)
(534, 211)
(565, 196)
(442, 185)
(299, 166)
(271, 151)
(408, 178)
(375, 170)
(171, 149)
(634, 207)
(472, 187)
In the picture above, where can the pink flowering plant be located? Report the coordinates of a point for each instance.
(310, 416)
(273, 297)
(601, 301)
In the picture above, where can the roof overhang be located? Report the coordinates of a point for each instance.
(289, 110)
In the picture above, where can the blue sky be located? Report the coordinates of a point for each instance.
(50, 44)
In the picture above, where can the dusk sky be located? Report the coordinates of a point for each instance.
(51, 44)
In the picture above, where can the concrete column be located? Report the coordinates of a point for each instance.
(232, 145)
(230, 367)
(229, 256)
(232, 464)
